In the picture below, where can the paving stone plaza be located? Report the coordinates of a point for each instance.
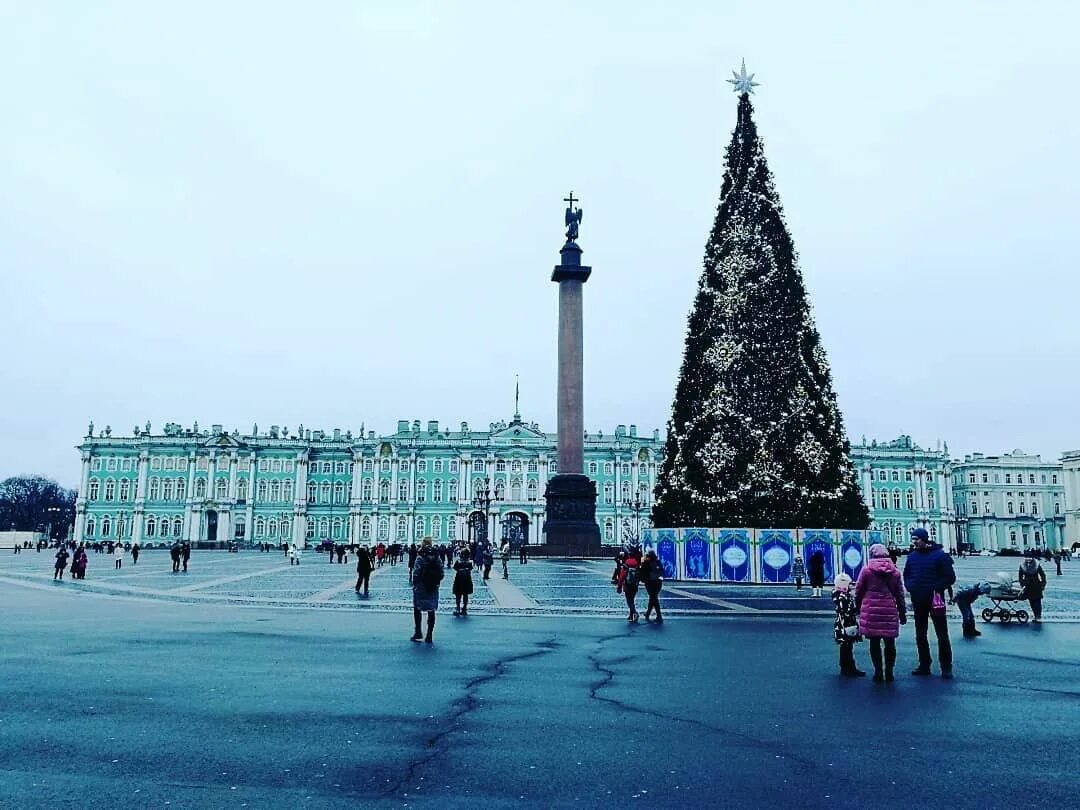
(247, 683)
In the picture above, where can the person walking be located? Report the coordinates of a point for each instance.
(1057, 562)
(846, 625)
(629, 579)
(174, 554)
(523, 554)
(185, 554)
(427, 575)
(463, 584)
(927, 573)
(963, 597)
(78, 562)
(504, 555)
(879, 597)
(135, 553)
(61, 563)
(816, 568)
(798, 571)
(1032, 584)
(294, 555)
(363, 569)
(118, 556)
(652, 574)
(489, 559)
(413, 551)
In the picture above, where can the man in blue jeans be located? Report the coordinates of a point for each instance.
(929, 570)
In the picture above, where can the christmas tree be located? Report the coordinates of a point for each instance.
(755, 437)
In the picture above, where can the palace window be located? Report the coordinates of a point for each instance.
(592, 468)
(403, 489)
(94, 489)
(553, 466)
(155, 489)
(155, 463)
(985, 478)
(261, 490)
(221, 488)
(271, 528)
(1008, 478)
(453, 465)
(167, 489)
(436, 527)
(624, 491)
(643, 490)
(895, 475)
(929, 476)
(971, 478)
(200, 487)
(532, 467)
(110, 464)
(986, 508)
(403, 466)
(907, 475)
(898, 533)
(275, 491)
(451, 527)
(151, 526)
(339, 468)
(365, 490)
(1009, 507)
(882, 475)
(418, 527)
(369, 465)
(421, 491)
(312, 491)
(1012, 538)
(241, 489)
(335, 529)
(106, 526)
(1034, 507)
(1057, 508)
(239, 530)
(933, 533)
(884, 500)
(1038, 537)
(286, 528)
(1023, 508)
(287, 490)
(515, 466)
(500, 465)
(275, 465)
(264, 466)
(202, 463)
(438, 465)
(125, 490)
(500, 490)
(324, 492)
(515, 490)
(930, 499)
(309, 532)
(110, 490)
(625, 470)
(1053, 479)
(532, 490)
(384, 491)
(437, 491)
(326, 467)
(974, 507)
(402, 527)
(910, 499)
(1031, 478)
(609, 530)
(608, 468)
(365, 528)
(609, 493)
(453, 491)
(384, 465)
(384, 528)
(339, 492)
(896, 499)
(95, 465)
(421, 466)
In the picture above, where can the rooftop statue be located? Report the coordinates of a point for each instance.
(572, 218)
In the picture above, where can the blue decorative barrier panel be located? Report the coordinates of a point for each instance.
(852, 552)
(665, 552)
(735, 557)
(819, 541)
(875, 536)
(776, 549)
(697, 554)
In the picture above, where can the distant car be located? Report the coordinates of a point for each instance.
(986, 553)
(1009, 552)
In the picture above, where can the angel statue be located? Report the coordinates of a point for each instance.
(573, 219)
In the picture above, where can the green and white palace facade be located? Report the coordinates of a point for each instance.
(275, 486)
(187, 484)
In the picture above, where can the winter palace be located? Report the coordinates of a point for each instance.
(308, 485)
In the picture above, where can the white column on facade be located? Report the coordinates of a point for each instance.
(867, 486)
(144, 467)
(412, 482)
(300, 501)
(249, 523)
(393, 484)
(232, 476)
(465, 482)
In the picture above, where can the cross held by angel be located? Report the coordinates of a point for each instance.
(572, 218)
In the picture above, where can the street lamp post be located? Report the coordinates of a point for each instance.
(483, 498)
(635, 507)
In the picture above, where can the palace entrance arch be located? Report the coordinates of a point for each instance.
(516, 529)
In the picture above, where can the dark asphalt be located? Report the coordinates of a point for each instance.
(120, 703)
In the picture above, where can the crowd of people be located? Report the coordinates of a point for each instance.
(633, 568)
(874, 607)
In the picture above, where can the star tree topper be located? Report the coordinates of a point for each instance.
(743, 83)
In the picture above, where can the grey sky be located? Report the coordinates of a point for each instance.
(332, 213)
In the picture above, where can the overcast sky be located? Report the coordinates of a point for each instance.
(335, 213)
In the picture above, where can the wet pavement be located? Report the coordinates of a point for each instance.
(247, 684)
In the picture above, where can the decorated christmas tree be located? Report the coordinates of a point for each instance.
(755, 436)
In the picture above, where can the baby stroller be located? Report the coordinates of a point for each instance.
(1004, 591)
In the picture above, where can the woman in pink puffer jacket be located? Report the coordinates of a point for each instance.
(879, 594)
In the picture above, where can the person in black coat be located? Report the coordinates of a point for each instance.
(1033, 582)
(412, 559)
(815, 569)
(363, 569)
(652, 574)
(463, 584)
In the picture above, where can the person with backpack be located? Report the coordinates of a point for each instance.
(629, 579)
(652, 573)
(363, 569)
(427, 575)
(463, 584)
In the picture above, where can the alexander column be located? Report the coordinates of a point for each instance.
(571, 496)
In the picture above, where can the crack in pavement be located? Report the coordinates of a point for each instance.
(608, 676)
(435, 744)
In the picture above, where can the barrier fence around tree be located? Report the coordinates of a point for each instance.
(756, 556)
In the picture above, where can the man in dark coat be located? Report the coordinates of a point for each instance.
(412, 558)
(929, 571)
(363, 569)
(185, 554)
(815, 568)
